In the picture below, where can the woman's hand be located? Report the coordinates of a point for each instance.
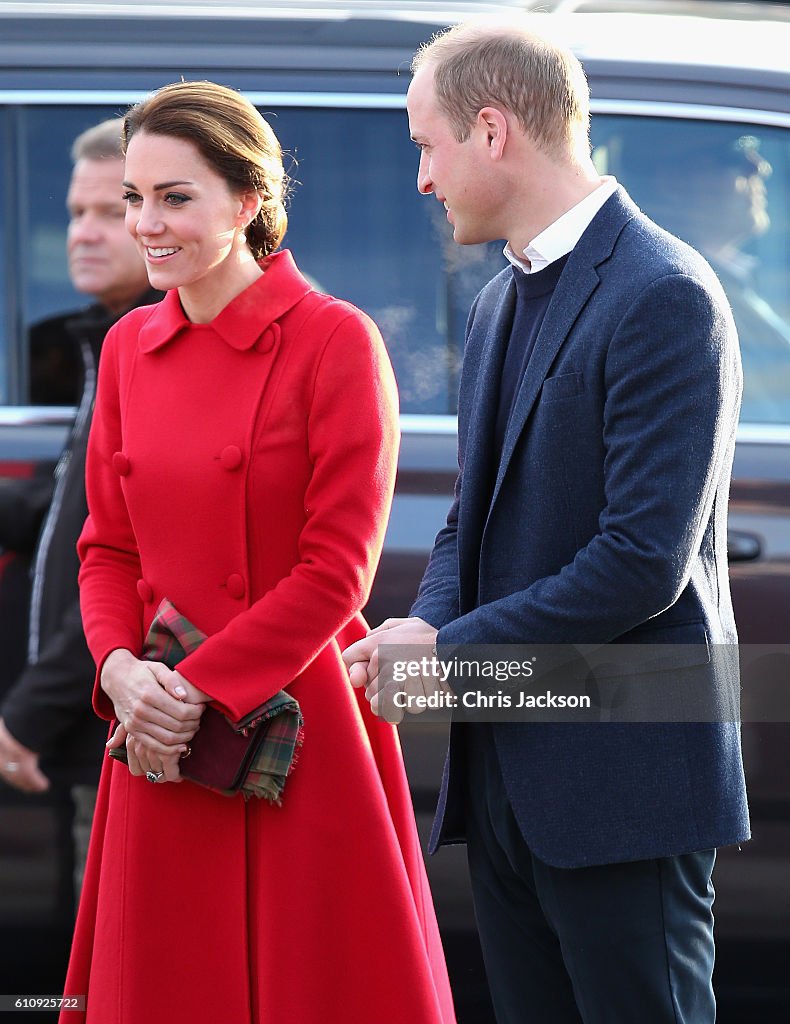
(156, 706)
(184, 690)
(161, 712)
(141, 759)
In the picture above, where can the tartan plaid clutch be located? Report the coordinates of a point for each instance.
(253, 756)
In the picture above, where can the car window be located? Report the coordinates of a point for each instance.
(357, 226)
(725, 188)
(51, 374)
(360, 230)
(6, 199)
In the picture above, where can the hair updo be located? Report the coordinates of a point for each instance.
(232, 138)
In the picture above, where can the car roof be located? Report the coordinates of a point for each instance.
(638, 38)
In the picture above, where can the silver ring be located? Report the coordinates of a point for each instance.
(11, 767)
(154, 776)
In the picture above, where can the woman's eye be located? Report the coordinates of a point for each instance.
(176, 199)
(131, 198)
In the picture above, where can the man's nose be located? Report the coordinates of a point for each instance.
(85, 228)
(424, 182)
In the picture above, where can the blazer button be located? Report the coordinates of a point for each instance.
(236, 587)
(230, 457)
(145, 591)
(121, 464)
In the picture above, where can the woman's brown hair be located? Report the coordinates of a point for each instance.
(234, 140)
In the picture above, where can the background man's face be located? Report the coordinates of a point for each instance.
(103, 258)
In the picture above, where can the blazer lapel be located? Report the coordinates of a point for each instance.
(577, 283)
(486, 354)
(483, 412)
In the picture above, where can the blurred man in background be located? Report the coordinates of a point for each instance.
(49, 737)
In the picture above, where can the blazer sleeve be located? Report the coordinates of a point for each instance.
(112, 612)
(437, 600)
(673, 385)
(353, 436)
(438, 597)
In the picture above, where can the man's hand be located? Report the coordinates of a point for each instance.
(19, 765)
(362, 661)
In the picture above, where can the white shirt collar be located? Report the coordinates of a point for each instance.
(560, 238)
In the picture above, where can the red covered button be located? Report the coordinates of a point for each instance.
(268, 339)
(121, 464)
(145, 591)
(236, 586)
(230, 457)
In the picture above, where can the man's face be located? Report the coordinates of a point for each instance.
(103, 259)
(455, 172)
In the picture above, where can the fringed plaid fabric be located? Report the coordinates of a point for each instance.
(172, 637)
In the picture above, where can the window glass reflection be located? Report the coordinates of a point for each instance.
(725, 189)
(361, 231)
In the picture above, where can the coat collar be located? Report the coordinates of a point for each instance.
(243, 320)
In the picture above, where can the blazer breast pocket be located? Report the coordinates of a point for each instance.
(564, 385)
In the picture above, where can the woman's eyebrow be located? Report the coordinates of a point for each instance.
(164, 184)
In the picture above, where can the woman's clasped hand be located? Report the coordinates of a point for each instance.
(158, 713)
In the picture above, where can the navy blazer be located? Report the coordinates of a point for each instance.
(605, 520)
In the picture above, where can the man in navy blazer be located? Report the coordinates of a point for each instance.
(597, 412)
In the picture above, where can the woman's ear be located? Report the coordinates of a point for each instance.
(251, 203)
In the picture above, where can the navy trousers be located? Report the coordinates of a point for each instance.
(613, 944)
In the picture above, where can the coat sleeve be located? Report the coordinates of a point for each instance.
(353, 436)
(112, 611)
(673, 385)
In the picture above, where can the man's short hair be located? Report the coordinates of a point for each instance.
(506, 65)
(101, 142)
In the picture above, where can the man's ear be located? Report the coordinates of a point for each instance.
(494, 126)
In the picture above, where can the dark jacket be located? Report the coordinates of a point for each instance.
(605, 520)
(48, 707)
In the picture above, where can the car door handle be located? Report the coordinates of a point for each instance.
(743, 546)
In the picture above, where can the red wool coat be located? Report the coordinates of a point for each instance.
(243, 469)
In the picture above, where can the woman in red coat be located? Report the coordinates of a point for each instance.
(241, 466)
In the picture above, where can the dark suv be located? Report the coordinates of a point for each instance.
(691, 114)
